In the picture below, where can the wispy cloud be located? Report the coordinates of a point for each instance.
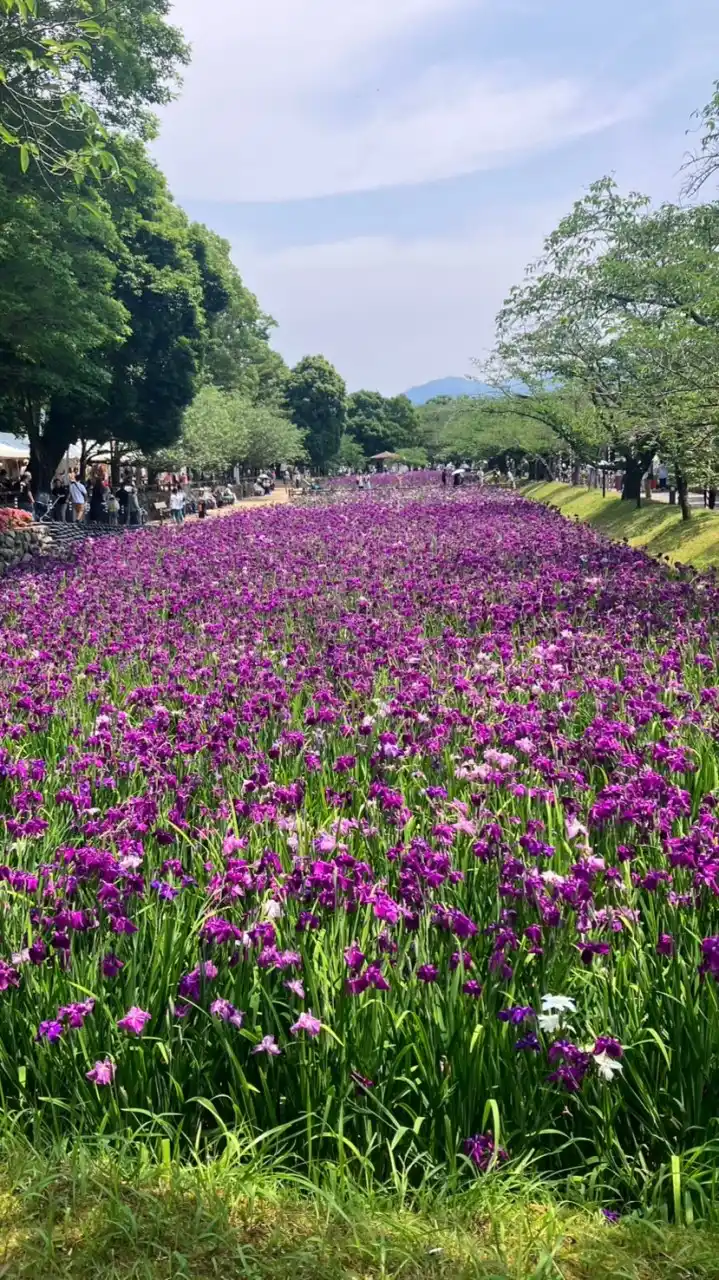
(288, 100)
(391, 312)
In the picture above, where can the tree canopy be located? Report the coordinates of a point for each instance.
(316, 398)
(223, 428)
(377, 423)
(72, 71)
(617, 327)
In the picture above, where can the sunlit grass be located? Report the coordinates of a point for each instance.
(657, 528)
(75, 1218)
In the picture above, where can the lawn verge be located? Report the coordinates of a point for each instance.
(78, 1218)
(656, 528)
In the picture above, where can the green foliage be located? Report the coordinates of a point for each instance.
(70, 70)
(170, 292)
(379, 424)
(479, 430)
(621, 313)
(221, 428)
(113, 313)
(316, 397)
(271, 437)
(351, 454)
(60, 316)
(77, 1214)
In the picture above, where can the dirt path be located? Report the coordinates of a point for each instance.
(277, 498)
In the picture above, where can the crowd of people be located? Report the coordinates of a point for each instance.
(16, 491)
(73, 501)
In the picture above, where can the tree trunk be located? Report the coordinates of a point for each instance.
(632, 486)
(46, 451)
(49, 438)
(712, 499)
(115, 454)
(683, 495)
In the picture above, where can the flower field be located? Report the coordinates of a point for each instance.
(387, 829)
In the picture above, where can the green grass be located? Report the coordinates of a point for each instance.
(75, 1219)
(656, 528)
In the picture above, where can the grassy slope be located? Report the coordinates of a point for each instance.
(76, 1223)
(657, 528)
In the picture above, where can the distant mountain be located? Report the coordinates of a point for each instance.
(448, 387)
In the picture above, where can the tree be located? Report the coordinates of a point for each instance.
(213, 436)
(624, 306)
(379, 424)
(367, 422)
(171, 291)
(272, 438)
(238, 355)
(223, 428)
(70, 70)
(316, 397)
(59, 315)
(476, 430)
(350, 454)
(701, 165)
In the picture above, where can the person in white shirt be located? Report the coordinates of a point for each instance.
(177, 504)
(78, 498)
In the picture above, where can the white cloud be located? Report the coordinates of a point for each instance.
(391, 313)
(287, 99)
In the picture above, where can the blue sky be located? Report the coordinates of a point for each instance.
(385, 169)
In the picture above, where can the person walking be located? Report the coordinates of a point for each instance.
(25, 500)
(59, 495)
(98, 508)
(134, 510)
(113, 509)
(78, 498)
(123, 499)
(177, 504)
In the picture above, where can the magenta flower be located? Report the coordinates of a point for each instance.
(112, 965)
(50, 1031)
(354, 958)
(134, 1021)
(227, 1012)
(517, 1014)
(268, 1045)
(9, 977)
(483, 1152)
(103, 1073)
(427, 973)
(296, 988)
(306, 1022)
(74, 1015)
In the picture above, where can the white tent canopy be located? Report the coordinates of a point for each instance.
(13, 453)
(15, 449)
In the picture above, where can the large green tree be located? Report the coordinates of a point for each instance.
(624, 306)
(221, 428)
(171, 289)
(478, 430)
(238, 354)
(316, 397)
(60, 316)
(378, 423)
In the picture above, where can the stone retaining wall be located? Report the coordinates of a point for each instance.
(19, 546)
